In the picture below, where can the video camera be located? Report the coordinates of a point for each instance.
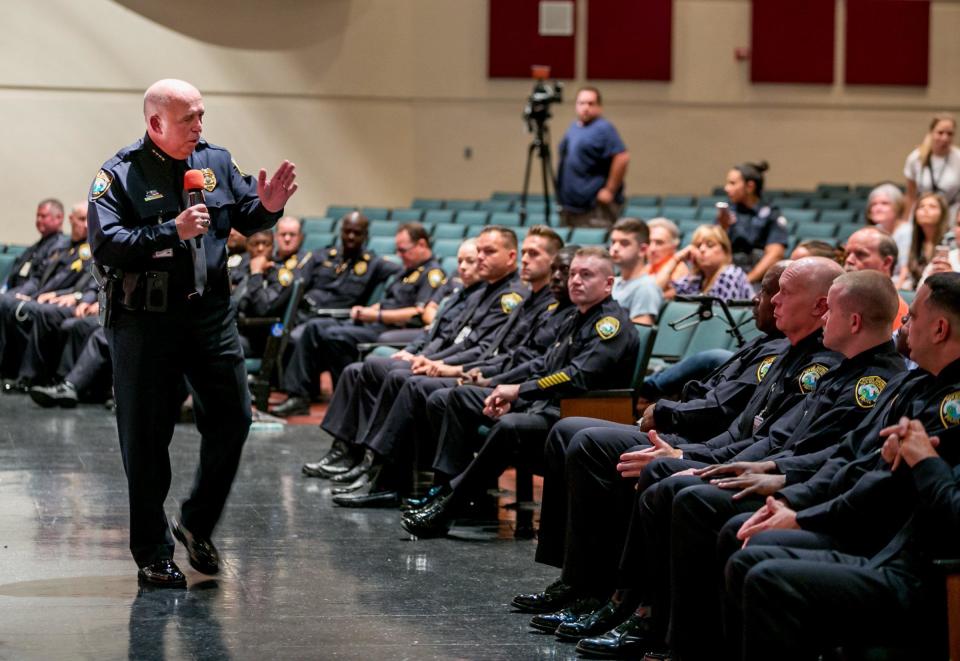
(544, 94)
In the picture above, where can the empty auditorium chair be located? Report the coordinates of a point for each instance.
(438, 216)
(643, 201)
(461, 205)
(646, 213)
(826, 189)
(382, 245)
(839, 216)
(821, 230)
(503, 195)
(314, 225)
(588, 236)
(426, 203)
(507, 218)
(375, 213)
(679, 213)
(318, 240)
(446, 247)
(407, 215)
(795, 216)
(827, 203)
(448, 231)
(384, 227)
(679, 201)
(471, 218)
(495, 205)
(338, 211)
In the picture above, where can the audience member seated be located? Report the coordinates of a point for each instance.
(712, 272)
(664, 241)
(873, 249)
(816, 248)
(945, 261)
(49, 222)
(934, 166)
(758, 233)
(633, 289)
(930, 226)
(885, 210)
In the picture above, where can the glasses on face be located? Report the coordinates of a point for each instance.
(403, 250)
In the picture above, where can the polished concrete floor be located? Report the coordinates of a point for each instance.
(303, 579)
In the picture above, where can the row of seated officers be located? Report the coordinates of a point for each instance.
(779, 508)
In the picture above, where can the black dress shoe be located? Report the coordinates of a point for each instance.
(202, 553)
(368, 461)
(16, 387)
(364, 499)
(362, 483)
(292, 406)
(432, 521)
(338, 467)
(62, 394)
(335, 455)
(410, 504)
(633, 638)
(600, 621)
(579, 608)
(162, 574)
(557, 596)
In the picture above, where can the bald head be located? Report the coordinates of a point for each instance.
(800, 304)
(817, 273)
(173, 111)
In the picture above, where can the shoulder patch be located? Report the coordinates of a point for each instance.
(84, 251)
(101, 184)
(233, 261)
(867, 391)
(607, 327)
(950, 409)
(810, 376)
(237, 167)
(209, 180)
(360, 268)
(764, 367)
(285, 277)
(436, 277)
(553, 306)
(509, 302)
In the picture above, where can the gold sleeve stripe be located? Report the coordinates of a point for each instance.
(552, 380)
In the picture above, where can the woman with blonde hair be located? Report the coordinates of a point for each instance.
(931, 224)
(934, 166)
(712, 271)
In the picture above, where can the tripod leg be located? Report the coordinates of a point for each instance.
(526, 183)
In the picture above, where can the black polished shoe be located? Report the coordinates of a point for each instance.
(557, 596)
(202, 553)
(579, 608)
(604, 619)
(293, 405)
(432, 521)
(411, 504)
(633, 638)
(162, 574)
(62, 394)
(365, 498)
(16, 387)
(363, 483)
(366, 463)
(338, 467)
(337, 452)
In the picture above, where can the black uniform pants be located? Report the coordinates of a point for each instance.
(355, 396)
(77, 332)
(14, 331)
(45, 342)
(325, 344)
(797, 602)
(92, 373)
(151, 355)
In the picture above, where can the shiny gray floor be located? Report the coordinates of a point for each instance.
(302, 579)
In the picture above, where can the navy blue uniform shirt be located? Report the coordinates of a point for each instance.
(586, 153)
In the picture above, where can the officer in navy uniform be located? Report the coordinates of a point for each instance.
(63, 272)
(596, 347)
(758, 232)
(328, 344)
(169, 316)
(49, 222)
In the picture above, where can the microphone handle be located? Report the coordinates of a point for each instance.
(195, 197)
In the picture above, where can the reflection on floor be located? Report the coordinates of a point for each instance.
(302, 578)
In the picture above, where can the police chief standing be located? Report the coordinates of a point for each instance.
(169, 316)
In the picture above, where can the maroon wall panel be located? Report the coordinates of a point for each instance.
(888, 42)
(629, 39)
(516, 44)
(793, 41)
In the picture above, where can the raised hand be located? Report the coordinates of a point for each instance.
(280, 188)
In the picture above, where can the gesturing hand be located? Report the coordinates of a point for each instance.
(281, 187)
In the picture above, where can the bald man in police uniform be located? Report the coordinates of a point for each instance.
(170, 316)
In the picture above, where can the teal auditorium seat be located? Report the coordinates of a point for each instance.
(6, 263)
(643, 201)
(844, 231)
(338, 211)
(642, 212)
(384, 228)
(495, 205)
(826, 203)
(839, 216)
(471, 218)
(407, 215)
(375, 213)
(711, 200)
(382, 245)
(448, 231)
(316, 241)
(826, 189)
(821, 230)
(679, 213)
(261, 370)
(799, 215)
(438, 216)
(473, 231)
(461, 205)
(671, 344)
(446, 247)
(318, 225)
(707, 214)
(690, 226)
(425, 203)
(505, 196)
(449, 266)
(506, 218)
(679, 201)
(788, 203)
(588, 236)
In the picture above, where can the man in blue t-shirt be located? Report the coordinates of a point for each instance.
(593, 162)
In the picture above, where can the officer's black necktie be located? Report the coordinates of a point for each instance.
(197, 252)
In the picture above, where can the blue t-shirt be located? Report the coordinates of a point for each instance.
(585, 156)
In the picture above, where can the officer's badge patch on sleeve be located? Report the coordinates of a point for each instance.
(285, 277)
(209, 180)
(233, 261)
(509, 302)
(607, 327)
(764, 367)
(436, 277)
(360, 268)
(84, 251)
(810, 376)
(101, 184)
(867, 391)
(950, 409)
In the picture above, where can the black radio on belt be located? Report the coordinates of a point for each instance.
(146, 291)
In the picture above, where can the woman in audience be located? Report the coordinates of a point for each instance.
(664, 241)
(712, 272)
(885, 209)
(758, 233)
(934, 166)
(930, 228)
(945, 261)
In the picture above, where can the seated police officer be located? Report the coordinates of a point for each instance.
(328, 344)
(49, 221)
(597, 345)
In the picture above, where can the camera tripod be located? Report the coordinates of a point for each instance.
(540, 145)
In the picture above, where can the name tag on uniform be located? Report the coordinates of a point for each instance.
(168, 252)
(462, 335)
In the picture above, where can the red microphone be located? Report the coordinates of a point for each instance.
(193, 185)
